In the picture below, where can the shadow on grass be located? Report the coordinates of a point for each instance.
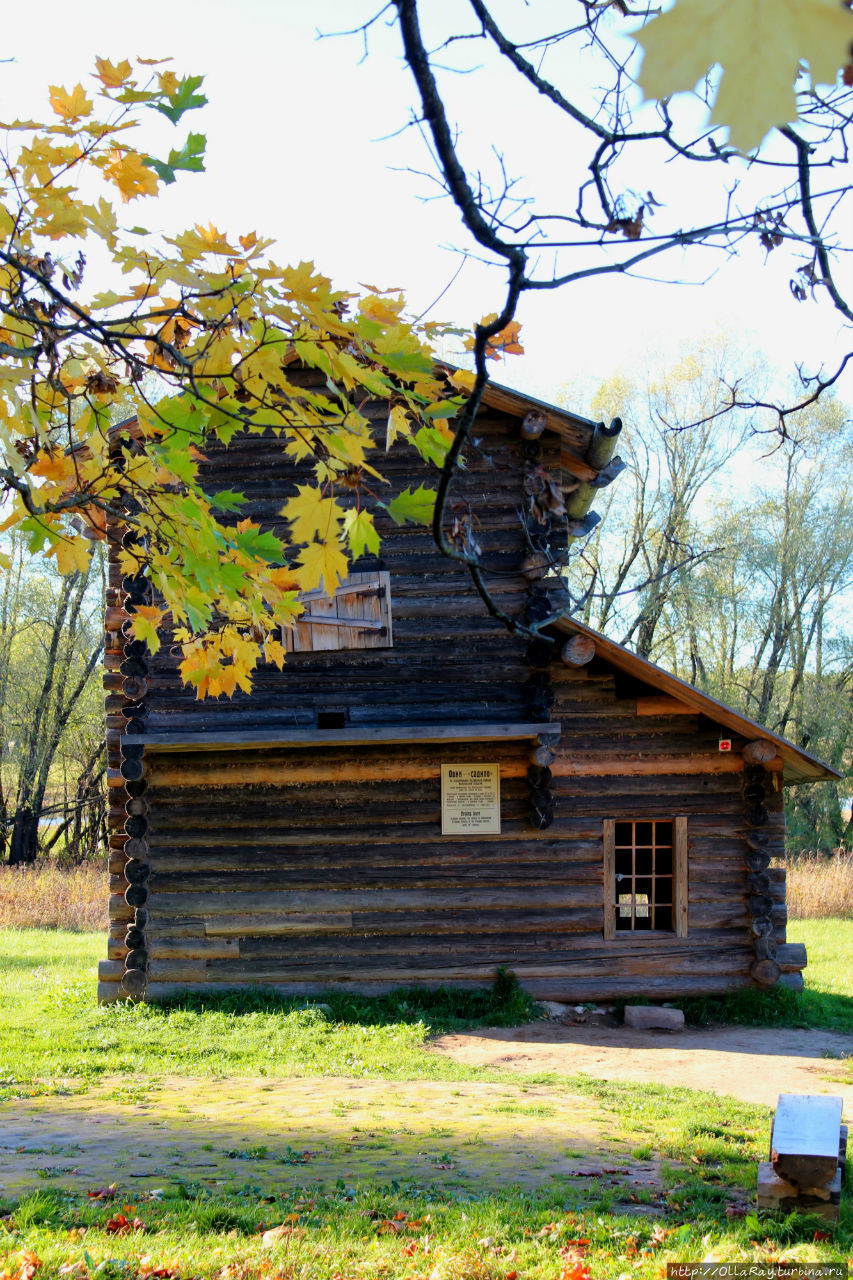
(779, 1007)
(504, 1004)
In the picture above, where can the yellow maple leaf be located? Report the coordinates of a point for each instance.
(130, 175)
(463, 379)
(112, 76)
(144, 623)
(70, 106)
(322, 562)
(398, 425)
(311, 515)
(275, 652)
(168, 82)
(759, 45)
(72, 554)
(194, 244)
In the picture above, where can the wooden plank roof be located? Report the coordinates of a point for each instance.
(798, 765)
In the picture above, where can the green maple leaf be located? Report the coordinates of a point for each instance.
(228, 500)
(431, 445)
(190, 157)
(417, 506)
(183, 99)
(360, 533)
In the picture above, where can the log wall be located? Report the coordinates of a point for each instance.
(260, 875)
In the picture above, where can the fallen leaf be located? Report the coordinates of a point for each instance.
(104, 1193)
(275, 1235)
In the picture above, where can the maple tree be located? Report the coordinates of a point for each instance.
(194, 344)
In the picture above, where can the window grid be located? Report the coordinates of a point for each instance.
(644, 867)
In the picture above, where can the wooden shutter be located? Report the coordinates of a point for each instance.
(358, 616)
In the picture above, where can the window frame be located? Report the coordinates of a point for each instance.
(679, 880)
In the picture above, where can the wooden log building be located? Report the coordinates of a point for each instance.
(617, 833)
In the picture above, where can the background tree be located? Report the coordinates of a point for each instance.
(728, 557)
(51, 638)
(677, 452)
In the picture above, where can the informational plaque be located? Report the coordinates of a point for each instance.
(470, 799)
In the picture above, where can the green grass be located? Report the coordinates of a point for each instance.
(51, 1028)
(401, 1231)
(827, 1001)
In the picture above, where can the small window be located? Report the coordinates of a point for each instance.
(358, 616)
(645, 876)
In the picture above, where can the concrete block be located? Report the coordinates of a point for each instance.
(645, 1017)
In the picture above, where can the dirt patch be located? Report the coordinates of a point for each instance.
(753, 1064)
(278, 1134)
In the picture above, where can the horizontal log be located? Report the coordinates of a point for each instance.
(118, 909)
(110, 970)
(438, 880)
(581, 859)
(221, 904)
(365, 960)
(791, 957)
(315, 739)
(176, 971)
(661, 704)
(204, 948)
(163, 774)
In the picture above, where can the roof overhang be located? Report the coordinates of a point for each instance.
(797, 765)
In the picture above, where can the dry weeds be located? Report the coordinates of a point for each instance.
(46, 896)
(820, 886)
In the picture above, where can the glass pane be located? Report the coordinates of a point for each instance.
(624, 833)
(623, 905)
(663, 862)
(623, 862)
(663, 832)
(663, 917)
(642, 913)
(643, 890)
(623, 922)
(645, 862)
(644, 832)
(663, 890)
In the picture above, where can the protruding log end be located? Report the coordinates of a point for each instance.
(766, 972)
(132, 770)
(756, 815)
(533, 424)
(578, 651)
(535, 566)
(136, 895)
(760, 751)
(133, 983)
(539, 653)
(542, 757)
(134, 687)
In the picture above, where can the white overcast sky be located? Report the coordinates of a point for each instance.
(295, 151)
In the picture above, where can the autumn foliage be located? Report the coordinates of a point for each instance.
(194, 341)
